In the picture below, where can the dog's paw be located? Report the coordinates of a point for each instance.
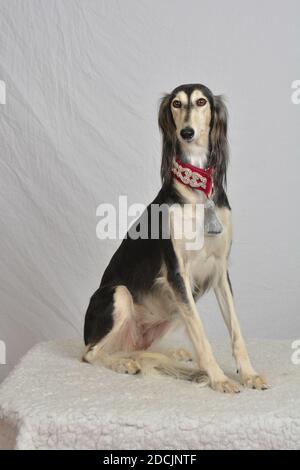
(225, 386)
(181, 355)
(126, 366)
(255, 381)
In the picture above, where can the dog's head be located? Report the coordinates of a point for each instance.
(191, 117)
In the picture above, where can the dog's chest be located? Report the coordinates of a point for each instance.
(205, 263)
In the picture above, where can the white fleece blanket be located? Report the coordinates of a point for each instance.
(53, 401)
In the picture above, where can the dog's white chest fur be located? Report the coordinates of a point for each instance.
(204, 264)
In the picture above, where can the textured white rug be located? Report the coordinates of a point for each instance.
(53, 401)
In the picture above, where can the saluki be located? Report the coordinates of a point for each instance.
(150, 282)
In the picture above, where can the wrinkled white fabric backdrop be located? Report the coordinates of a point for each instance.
(79, 127)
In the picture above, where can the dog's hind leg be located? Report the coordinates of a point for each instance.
(110, 325)
(117, 348)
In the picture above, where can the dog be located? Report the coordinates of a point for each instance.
(150, 283)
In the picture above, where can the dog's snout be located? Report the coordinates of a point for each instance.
(187, 133)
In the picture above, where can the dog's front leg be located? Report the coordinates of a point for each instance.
(206, 360)
(249, 376)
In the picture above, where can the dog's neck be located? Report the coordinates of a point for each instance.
(194, 154)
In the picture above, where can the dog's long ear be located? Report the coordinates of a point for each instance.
(218, 140)
(167, 127)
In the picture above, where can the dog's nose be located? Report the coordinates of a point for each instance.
(187, 133)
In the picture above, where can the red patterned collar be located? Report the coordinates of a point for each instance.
(194, 177)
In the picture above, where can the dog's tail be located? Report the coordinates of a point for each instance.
(153, 363)
(148, 363)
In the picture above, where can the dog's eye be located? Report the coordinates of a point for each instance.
(176, 104)
(201, 102)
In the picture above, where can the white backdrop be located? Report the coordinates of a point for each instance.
(83, 79)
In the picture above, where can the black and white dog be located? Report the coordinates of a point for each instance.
(151, 282)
